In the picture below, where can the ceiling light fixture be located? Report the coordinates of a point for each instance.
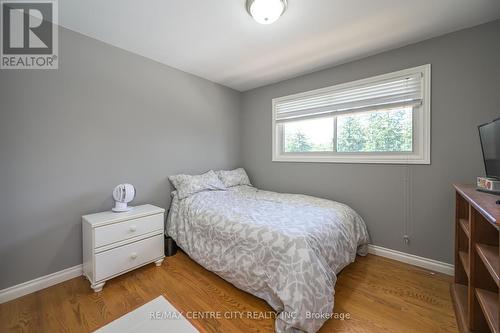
(266, 11)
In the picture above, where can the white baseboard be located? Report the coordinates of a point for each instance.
(40, 283)
(412, 259)
(72, 272)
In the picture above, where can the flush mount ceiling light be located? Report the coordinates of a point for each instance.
(266, 11)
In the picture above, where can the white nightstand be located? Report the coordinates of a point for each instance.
(115, 243)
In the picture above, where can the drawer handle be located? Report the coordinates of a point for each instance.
(133, 256)
(133, 228)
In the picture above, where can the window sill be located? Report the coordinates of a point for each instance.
(379, 159)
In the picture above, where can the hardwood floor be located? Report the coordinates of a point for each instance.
(380, 295)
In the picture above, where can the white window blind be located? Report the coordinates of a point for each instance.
(399, 91)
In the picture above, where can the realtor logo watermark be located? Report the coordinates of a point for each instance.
(29, 38)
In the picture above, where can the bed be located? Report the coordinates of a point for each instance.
(284, 248)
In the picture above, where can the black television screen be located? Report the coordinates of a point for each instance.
(490, 143)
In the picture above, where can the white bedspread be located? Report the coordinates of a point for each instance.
(283, 248)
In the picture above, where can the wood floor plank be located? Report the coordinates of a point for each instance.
(378, 295)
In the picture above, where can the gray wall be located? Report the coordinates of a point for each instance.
(465, 93)
(68, 136)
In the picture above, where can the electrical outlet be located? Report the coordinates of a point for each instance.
(406, 239)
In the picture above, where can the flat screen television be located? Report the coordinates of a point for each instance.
(490, 143)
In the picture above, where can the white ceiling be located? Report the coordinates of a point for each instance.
(219, 41)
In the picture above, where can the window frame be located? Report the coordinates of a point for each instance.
(421, 153)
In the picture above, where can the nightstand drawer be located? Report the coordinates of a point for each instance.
(127, 229)
(125, 257)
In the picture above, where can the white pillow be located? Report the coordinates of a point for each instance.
(234, 177)
(187, 185)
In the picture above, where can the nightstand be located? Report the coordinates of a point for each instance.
(115, 243)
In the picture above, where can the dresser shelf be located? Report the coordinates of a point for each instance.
(477, 261)
(464, 224)
(490, 255)
(464, 259)
(459, 296)
(489, 304)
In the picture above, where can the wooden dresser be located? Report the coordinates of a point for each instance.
(477, 276)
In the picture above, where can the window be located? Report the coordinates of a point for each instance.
(384, 119)
(309, 135)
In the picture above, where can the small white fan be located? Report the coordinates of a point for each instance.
(123, 194)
